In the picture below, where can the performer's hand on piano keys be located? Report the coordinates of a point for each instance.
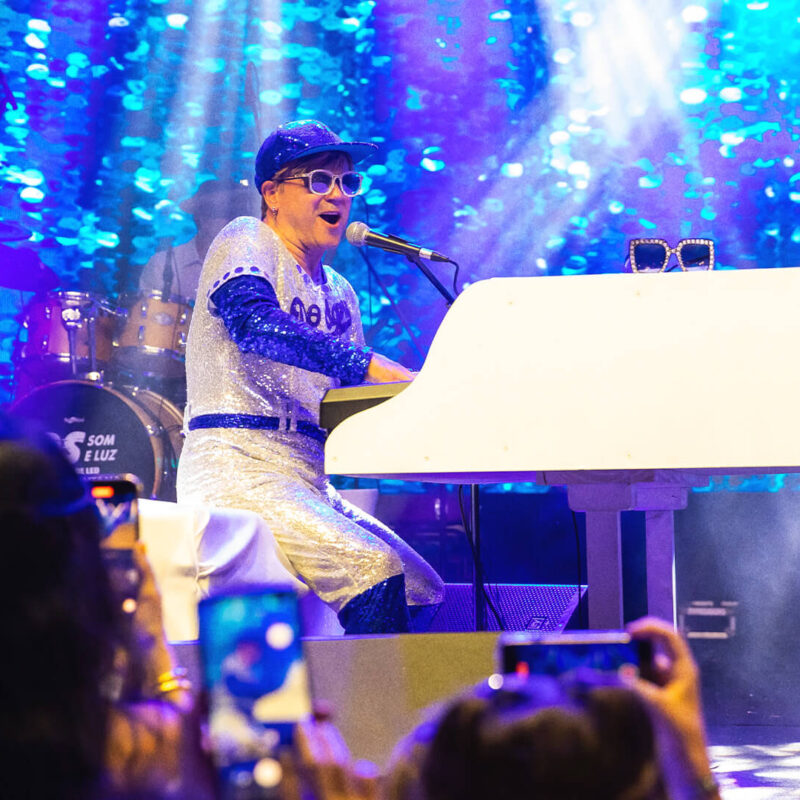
(384, 370)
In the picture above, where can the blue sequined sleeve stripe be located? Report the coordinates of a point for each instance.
(255, 321)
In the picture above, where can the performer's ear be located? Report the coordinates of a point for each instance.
(268, 191)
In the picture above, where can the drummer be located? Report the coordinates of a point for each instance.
(214, 205)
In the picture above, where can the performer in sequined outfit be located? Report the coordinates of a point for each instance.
(273, 329)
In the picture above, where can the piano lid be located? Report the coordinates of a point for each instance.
(595, 372)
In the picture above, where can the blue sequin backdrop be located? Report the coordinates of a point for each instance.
(521, 138)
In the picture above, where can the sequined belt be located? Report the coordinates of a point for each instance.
(255, 422)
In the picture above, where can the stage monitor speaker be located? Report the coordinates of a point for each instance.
(521, 607)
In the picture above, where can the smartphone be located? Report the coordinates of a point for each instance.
(257, 683)
(555, 654)
(117, 500)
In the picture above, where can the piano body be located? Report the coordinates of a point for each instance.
(627, 389)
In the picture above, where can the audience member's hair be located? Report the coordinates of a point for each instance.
(60, 625)
(544, 739)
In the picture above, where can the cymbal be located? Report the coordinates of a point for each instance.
(13, 232)
(20, 268)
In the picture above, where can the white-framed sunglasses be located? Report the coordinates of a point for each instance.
(320, 181)
(652, 255)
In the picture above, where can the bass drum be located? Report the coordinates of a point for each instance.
(108, 432)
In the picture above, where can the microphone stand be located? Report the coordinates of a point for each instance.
(478, 597)
(435, 282)
(375, 274)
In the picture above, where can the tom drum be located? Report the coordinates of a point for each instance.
(153, 337)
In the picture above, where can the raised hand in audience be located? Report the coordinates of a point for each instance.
(674, 695)
(154, 734)
(321, 767)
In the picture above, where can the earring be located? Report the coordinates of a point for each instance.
(273, 210)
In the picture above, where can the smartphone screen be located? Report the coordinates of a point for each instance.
(608, 651)
(117, 500)
(256, 677)
(118, 503)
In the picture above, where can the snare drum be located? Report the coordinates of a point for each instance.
(45, 356)
(108, 432)
(153, 338)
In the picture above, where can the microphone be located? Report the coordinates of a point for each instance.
(358, 234)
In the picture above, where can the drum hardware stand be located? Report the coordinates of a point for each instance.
(94, 373)
(71, 318)
(16, 358)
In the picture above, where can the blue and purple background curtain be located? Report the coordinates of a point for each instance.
(519, 137)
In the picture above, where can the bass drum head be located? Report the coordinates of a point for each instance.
(166, 414)
(104, 432)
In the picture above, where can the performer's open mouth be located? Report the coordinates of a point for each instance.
(331, 217)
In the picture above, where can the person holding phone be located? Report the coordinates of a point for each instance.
(273, 329)
(92, 705)
(585, 733)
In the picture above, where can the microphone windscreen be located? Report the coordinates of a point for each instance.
(356, 233)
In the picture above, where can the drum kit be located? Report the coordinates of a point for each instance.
(106, 379)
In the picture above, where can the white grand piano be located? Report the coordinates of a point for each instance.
(627, 389)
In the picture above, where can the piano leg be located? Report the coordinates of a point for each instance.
(660, 502)
(604, 569)
(660, 547)
(601, 504)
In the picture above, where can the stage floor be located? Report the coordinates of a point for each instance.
(756, 762)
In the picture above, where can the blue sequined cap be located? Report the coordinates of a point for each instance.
(305, 137)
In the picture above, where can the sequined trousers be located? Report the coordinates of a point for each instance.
(337, 549)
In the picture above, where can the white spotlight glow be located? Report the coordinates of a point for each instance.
(693, 97)
(279, 635)
(495, 681)
(695, 13)
(731, 94)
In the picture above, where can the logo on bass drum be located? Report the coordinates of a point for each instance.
(87, 452)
